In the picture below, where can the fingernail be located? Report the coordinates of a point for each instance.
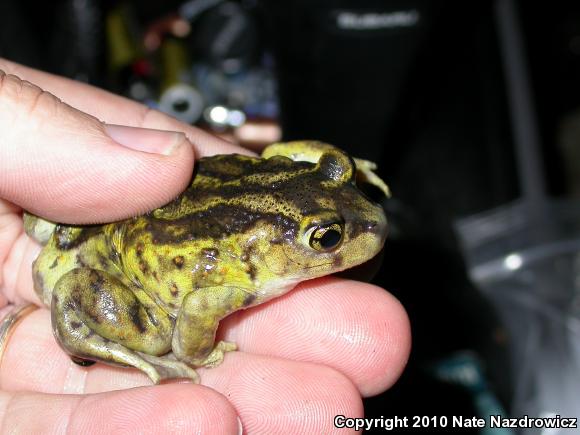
(145, 139)
(240, 427)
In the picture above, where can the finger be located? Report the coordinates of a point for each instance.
(273, 395)
(161, 409)
(359, 329)
(268, 393)
(118, 110)
(67, 166)
(10, 229)
(16, 257)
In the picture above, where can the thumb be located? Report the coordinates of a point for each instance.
(67, 166)
(171, 408)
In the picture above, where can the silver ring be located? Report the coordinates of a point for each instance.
(9, 323)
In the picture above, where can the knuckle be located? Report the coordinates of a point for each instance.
(21, 95)
(144, 116)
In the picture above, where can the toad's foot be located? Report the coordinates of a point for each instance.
(216, 357)
(193, 339)
(167, 367)
(365, 173)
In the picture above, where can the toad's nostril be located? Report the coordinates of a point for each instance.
(377, 227)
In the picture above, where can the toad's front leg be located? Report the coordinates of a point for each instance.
(198, 320)
(96, 316)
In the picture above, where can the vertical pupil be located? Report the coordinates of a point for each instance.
(329, 239)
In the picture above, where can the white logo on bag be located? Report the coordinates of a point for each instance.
(373, 20)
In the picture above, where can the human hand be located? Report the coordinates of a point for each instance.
(305, 357)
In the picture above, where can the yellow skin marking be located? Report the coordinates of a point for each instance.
(149, 292)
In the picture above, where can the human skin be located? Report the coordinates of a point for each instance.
(304, 357)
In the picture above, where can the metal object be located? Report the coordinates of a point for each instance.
(9, 323)
(179, 98)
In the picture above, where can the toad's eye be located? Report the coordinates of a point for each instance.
(326, 237)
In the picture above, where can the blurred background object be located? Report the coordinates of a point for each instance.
(472, 114)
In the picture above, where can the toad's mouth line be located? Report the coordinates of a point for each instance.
(292, 260)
